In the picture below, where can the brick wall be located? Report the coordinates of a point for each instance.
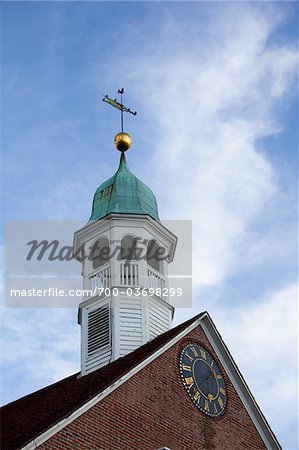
(152, 410)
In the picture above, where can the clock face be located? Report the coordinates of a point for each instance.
(203, 380)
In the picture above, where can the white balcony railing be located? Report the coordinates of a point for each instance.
(100, 279)
(155, 280)
(129, 274)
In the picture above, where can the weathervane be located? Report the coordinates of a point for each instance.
(122, 140)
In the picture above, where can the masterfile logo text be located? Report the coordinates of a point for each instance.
(40, 261)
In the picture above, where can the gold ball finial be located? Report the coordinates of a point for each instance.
(122, 141)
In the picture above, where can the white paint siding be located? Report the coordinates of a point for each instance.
(130, 325)
(159, 318)
(133, 321)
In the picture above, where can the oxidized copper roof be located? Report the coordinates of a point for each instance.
(123, 193)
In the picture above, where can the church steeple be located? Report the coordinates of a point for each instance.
(125, 269)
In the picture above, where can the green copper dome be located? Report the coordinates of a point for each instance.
(123, 193)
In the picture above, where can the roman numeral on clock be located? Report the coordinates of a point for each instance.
(203, 354)
(196, 396)
(194, 351)
(189, 381)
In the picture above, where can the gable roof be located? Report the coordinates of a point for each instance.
(31, 420)
(26, 418)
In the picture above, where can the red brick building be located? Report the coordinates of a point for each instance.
(140, 402)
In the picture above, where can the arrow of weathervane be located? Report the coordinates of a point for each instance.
(117, 105)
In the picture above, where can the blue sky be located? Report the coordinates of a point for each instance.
(215, 138)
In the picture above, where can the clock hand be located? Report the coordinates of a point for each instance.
(210, 396)
(205, 380)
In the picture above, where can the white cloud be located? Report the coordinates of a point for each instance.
(253, 324)
(263, 339)
(40, 347)
(211, 97)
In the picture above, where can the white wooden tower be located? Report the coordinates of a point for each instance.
(125, 269)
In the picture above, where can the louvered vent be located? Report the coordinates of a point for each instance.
(98, 329)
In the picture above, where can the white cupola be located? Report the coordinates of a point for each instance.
(125, 271)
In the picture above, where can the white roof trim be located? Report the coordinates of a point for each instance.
(239, 384)
(87, 232)
(226, 360)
